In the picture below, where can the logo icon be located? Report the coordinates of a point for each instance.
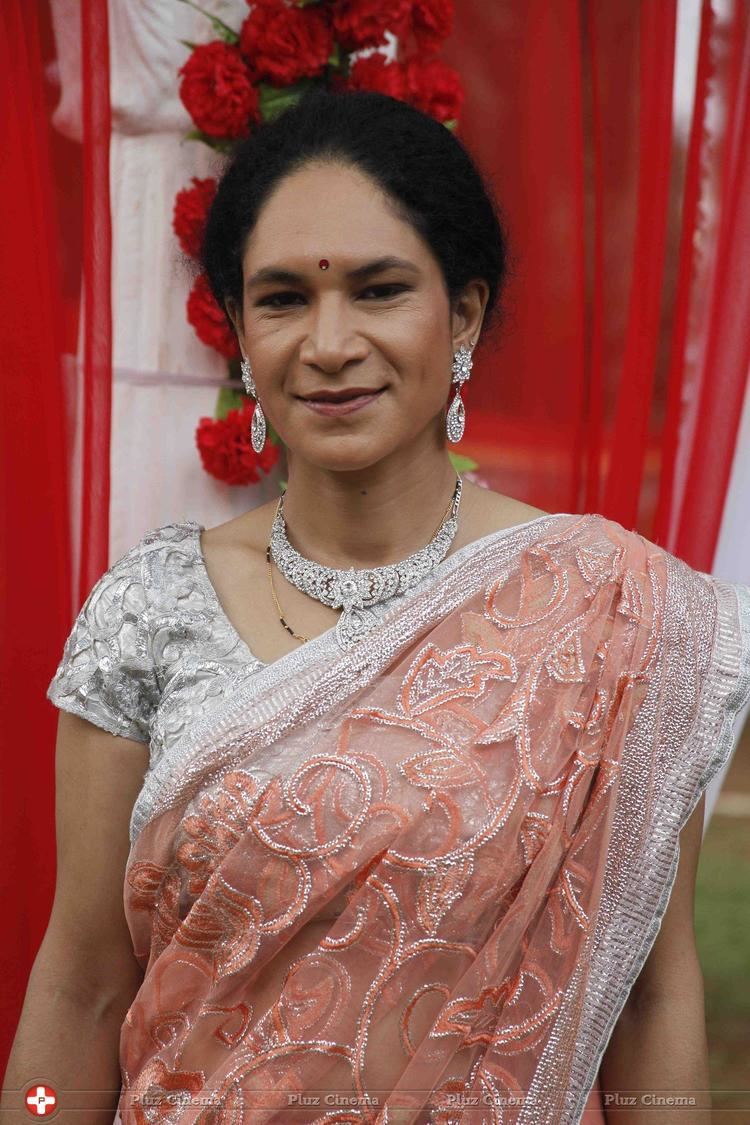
(41, 1100)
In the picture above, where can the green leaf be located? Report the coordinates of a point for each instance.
(337, 58)
(223, 30)
(226, 400)
(219, 144)
(186, 43)
(462, 464)
(275, 99)
(451, 124)
(282, 485)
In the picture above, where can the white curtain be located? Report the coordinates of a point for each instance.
(164, 378)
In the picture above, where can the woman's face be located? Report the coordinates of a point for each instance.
(306, 329)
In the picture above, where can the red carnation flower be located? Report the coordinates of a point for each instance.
(431, 23)
(375, 73)
(217, 90)
(363, 23)
(209, 321)
(434, 87)
(226, 451)
(190, 211)
(283, 44)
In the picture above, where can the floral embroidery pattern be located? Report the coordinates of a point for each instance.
(465, 804)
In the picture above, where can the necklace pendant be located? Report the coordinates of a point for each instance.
(349, 590)
(353, 624)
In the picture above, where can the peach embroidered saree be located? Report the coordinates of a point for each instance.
(495, 779)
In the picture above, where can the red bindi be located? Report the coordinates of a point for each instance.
(324, 263)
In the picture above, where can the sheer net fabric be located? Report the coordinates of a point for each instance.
(495, 781)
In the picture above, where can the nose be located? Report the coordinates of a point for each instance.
(332, 341)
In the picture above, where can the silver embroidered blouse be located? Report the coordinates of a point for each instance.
(151, 649)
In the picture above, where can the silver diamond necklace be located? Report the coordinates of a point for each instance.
(356, 590)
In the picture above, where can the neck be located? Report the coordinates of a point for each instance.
(368, 517)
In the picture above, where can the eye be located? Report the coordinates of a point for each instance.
(385, 292)
(275, 297)
(379, 289)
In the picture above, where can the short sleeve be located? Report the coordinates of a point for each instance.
(106, 674)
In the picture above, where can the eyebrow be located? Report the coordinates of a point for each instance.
(289, 277)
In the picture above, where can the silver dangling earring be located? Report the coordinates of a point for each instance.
(258, 424)
(456, 418)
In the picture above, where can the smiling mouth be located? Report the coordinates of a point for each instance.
(342, 406)
(342, 397)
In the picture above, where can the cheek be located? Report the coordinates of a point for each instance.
(424, 387)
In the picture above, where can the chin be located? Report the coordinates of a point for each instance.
(343, 455)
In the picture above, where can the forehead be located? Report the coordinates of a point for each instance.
(331, 211)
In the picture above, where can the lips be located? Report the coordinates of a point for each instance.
(342, 407)
(341, 395)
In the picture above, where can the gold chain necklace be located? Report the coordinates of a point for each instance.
(288, 628)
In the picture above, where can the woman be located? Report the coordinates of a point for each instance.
(421, 758)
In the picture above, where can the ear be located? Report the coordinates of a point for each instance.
(468, 312)
(235, 315)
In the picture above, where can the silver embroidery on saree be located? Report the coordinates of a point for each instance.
(496, 778)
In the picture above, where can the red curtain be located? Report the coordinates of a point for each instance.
(616, 387)
(654, 40)
(45, 246)
(35, 549)
(97, 311)
(629, 291)
(720, 310)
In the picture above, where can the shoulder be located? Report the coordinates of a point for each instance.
(248, 531)
(117, 610)
(168, 535)
(166, 554)
(105, 674)
(239, 544)
(152, 541)
(488, 511)
(123, 588)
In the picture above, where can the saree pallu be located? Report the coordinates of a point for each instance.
(495, 780)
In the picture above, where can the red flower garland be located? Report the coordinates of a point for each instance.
(282, 45)
(374, 72)
(218, 92)
(363, 23)
(429, 84)
(209, 321)
(431, 23)
(190, 213)
(225, 449)
(434, 87)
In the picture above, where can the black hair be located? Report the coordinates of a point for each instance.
(417, 161)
